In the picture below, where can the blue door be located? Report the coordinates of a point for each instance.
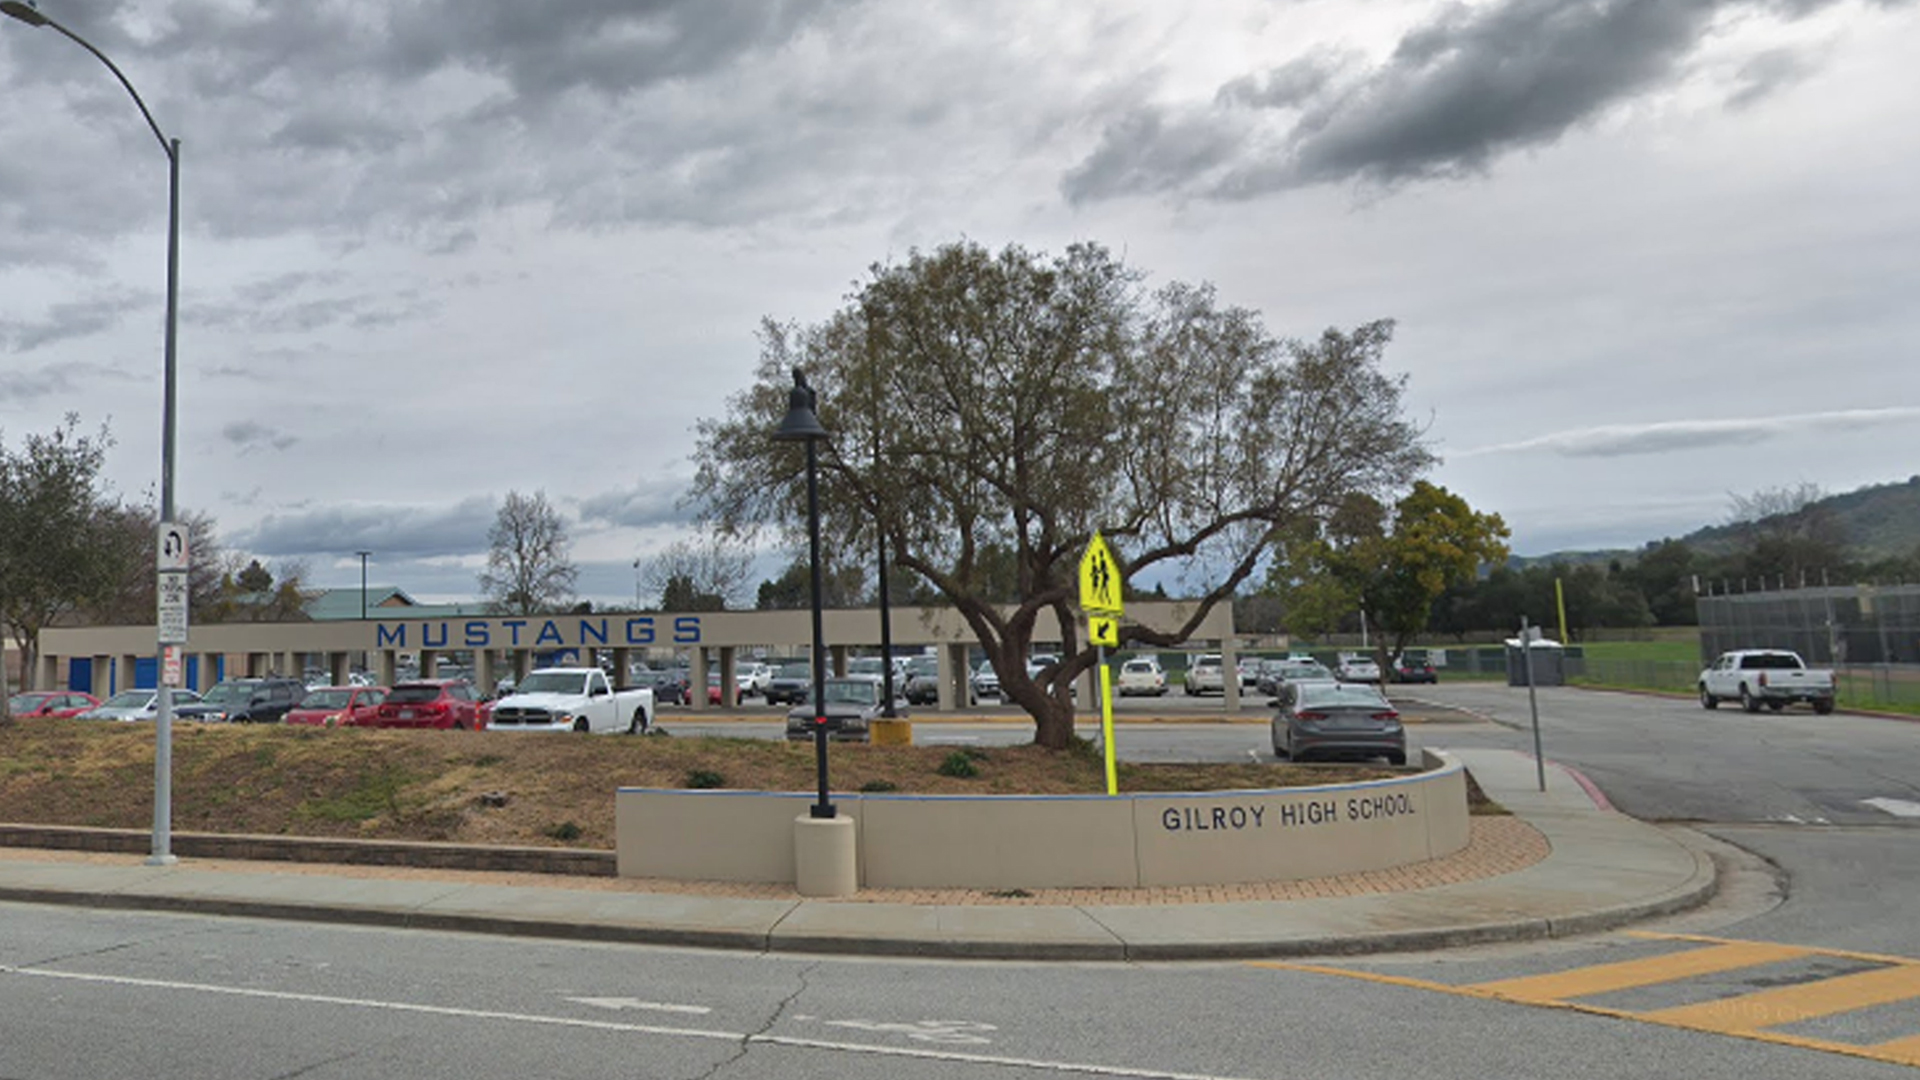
(80, 675)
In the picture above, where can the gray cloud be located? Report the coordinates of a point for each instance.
(1626, 440)
(394, 532)
(251, 435)
(1768, 72)
(26, 387)
(650, 503)
(72, 319)
(1473, 84)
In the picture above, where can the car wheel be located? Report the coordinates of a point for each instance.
(1823, 707)
(581, 725)
(1776, 706)
(1708, 701)
(1397, 758)
(639, 725)
(1748, 701)
(1278, 750)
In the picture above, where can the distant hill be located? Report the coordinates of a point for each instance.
(1881, 521)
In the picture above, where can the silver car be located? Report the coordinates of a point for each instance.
(132, 705)
(849, 706)
(1338, 720)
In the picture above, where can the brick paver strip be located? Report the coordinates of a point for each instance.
(1497, 845)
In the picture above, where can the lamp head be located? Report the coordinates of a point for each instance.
(23, 11)
(801, 425)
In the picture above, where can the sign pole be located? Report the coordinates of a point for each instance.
(1527, 636)
(1106, 721)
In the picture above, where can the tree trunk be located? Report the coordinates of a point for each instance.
(1053, 725)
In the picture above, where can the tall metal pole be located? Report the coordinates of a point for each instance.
(1533, 702)
(163, 707)
(886, 630)
(823, 808)
(363, 583)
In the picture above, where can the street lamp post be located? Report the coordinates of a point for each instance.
(163, 705)
(363, 583)
(803, 425)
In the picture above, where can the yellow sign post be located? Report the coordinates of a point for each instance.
(1100, 596)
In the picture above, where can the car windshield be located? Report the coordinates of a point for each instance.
(924, 665)
(1340, 696)
(414, 695)
(552, 682)
(25, 702)
(794, 671)
(1771, 661)
(130, 699)
(326, 699)
(864, 665)
(851, 692)
(229, 693)
(1138, 667)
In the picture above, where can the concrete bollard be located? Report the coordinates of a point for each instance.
(823, 856)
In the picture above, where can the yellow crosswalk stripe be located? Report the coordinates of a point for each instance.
(1791, 1004)
(1628, 974)
(1905, 1051)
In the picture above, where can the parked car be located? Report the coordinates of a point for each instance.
(1206, 675)
(1775, 678)
(985, 683)
(51, 703)
(1275, 681)
(1249, 671)
(430, 703)
(850, 704)
(756, 678)
(247, 701)
(573, 699)
(1338, 720)
(669, 685)
(338, 706)
(1355, 668)
(1414, 667)
(923, 680)
(1141, 676)
(131, 705)
(792, 683)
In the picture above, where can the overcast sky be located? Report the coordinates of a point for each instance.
(1643, 253)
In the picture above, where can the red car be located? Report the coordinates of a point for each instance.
(60, 703)
(429, 703)
(338, 706)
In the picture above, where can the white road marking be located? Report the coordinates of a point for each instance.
(935, 1031)
(1070, 1067)
(1896, 807)
(636, 1003)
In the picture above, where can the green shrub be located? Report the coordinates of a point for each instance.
(565, 832)
(705, 778)
(960, 764)
(875, 786)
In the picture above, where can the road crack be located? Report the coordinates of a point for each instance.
(746, 1041)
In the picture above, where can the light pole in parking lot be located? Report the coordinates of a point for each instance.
(803, 425)
(363, 583)
(163, 704)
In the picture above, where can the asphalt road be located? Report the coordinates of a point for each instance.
(103, 994)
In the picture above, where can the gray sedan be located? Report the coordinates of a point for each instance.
(132, 705)
(1338, 720)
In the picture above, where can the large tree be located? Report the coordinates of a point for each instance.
(529, 566)
(990, 411)
(707, 574)
(1391, 564)
(57, 548)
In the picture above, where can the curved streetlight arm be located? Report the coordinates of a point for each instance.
(32, 16)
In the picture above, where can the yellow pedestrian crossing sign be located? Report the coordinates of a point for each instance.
(1100, 579)
(1103, 630)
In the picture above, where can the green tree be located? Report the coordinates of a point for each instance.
(58, 552)
(1393, 565)
(987, 407)
(529, 569)
(696, 575)
(254, 579)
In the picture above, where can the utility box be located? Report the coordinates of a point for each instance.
(1549, 662)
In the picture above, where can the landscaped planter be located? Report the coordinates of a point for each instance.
(1057, 841)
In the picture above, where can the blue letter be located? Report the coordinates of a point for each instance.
(426, 636)
(514, 625)
(477, 636)
(549, 632)
(686, 629)
(383, 637)
(640, 630)
(587, 631)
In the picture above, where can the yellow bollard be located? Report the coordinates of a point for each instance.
(891, 732)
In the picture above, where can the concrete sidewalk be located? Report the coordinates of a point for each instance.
(1565, 864)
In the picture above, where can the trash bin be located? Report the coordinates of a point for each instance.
(1549, 663)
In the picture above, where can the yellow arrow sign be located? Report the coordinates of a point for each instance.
(1103, 630)
(1100, 578)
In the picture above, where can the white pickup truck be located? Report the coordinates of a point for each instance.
(572, 699)
(1771, 677)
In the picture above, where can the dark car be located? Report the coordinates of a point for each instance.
(923, 680)
(792, 684)
(247, 701)
(429, 703)
(1338, 720)
(1412, 667)
(850, 704)
(670, 686)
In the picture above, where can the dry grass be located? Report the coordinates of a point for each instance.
(439, 785)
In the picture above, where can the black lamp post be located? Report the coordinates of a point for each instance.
(801, 425)
(27, 13)
(363, 583)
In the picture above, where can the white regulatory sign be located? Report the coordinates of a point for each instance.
(170, 551)
(171, 591)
